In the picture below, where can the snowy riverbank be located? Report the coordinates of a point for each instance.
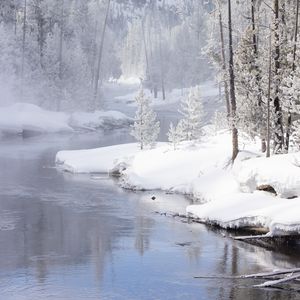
(25, 118)
(227, 194)
(208, 89)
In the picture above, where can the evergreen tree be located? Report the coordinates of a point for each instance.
(192, 111)
(176, 134)
(145, 128)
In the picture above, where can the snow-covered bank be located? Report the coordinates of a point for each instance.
(203, 170)
(208, 89)
(100, 160)
(25, 118)
(99, 119)
(258, 209)
(281, 172)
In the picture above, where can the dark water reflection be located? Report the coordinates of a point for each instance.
(73, 237)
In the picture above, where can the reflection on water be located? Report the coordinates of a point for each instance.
(73, 237)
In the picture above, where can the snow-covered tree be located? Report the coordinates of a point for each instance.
(176, 134)
(250, 110)
(145, 128)
(220, 121)
(192, 111)
(291, 92)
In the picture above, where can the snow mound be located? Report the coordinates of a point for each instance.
(30, 119)
(100, 160)
(129, 80)
(99, 119)
(21, 118)
(281, 172)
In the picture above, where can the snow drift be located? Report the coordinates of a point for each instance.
(25, 118)
(228, 194)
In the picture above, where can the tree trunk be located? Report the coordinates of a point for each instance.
(155, 91)
(258, 77)
(23, 48)
(60, 56)
(161, 69)
(146, 52)
(279, 138)
(224, 67)
(100, 56)
(269, 96)
(287, 139)
(94, 55)
(235, 146)
(15, 18)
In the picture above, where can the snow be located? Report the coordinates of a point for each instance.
(171, 98)
(282, 172)
(100, 160)
(22, 118)
(99, 119)
(228, 194)
(208, 89)
(129, 80)
(258, 209)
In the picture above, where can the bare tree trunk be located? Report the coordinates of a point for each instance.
(279, 138)
(94, 54)
(100, 56)
(15, 18)
(60, 55)
(224, 67)
(61, 40)
(153, 84)
(41, 39)
(269, 96)
(235, 145)
(23, 47)
(258, 77)
(146, 52)
(40, 22)
(288, 131)
(155, 91)
(161, 68)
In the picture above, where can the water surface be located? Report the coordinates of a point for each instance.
(66, 236)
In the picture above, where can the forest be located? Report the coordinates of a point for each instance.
(59, 55)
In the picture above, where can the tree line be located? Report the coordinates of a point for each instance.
(59, 53)
(254, 45)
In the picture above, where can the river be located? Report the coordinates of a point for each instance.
(66, 236)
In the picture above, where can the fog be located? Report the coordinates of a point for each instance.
(60, 55)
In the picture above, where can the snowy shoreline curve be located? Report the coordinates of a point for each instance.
(228, 194)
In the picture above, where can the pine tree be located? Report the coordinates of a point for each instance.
(176, 134)
(145, 128)
(192, 111)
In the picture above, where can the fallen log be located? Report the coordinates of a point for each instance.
(265, 275)
(270, 274)
(250, 237)
(278, 281)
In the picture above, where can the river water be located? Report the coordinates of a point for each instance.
(66, 236)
